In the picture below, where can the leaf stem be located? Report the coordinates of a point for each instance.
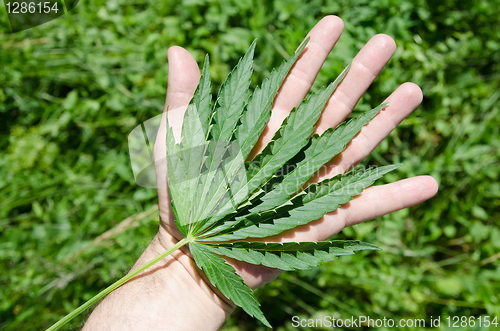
(117, 284)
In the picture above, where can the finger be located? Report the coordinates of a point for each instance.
(301, 77)
(374, 202)
(367, 64)
(324, 35)
(380, 200)
(183, 77)
(402, 102)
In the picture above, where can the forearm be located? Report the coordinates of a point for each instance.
(170, 295)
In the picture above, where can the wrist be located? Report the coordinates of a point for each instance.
(168, 294)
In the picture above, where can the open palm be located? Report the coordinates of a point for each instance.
(183, 78)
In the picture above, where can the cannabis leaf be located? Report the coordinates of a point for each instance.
(220, 199)
(290, 255)
(258, 111)
(203, 97)
(232, 98)
(311, 204)
(225, 278)
(320, 150)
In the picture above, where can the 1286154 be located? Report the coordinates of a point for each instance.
(472, 321)
(20, 7)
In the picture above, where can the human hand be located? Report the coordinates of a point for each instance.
(183, 288)
(375, 201)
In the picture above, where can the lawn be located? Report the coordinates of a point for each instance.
(73, 220)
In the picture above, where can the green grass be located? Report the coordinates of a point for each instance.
(72, 89)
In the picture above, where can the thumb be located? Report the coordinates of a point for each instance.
(183, 77)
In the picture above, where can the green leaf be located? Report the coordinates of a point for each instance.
(184, 164)
(289, 139)
(224, 277)
(202, 98)
(221, 184)
(252, 123)
(231, 98)
(219, 179)
(320, 150)
(290, 255)
(185, 160)
(307, 206)
(258, 110)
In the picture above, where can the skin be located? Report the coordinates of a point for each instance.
(163, 297)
